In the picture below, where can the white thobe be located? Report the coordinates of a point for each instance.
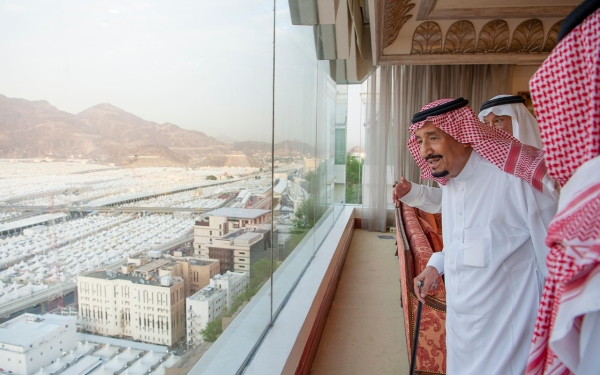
(494, 227)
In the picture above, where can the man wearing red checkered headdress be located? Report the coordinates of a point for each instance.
(494, 226)
(566, 95)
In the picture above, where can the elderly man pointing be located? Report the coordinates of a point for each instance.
(504, 112)
(495, 222)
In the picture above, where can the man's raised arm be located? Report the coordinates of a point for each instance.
(428, 199)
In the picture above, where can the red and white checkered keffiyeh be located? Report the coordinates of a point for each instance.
(566, 95)
(500, 148)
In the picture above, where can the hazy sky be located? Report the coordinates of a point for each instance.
(184, 62)
(202, 65)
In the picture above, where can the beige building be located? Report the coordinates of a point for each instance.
(238, 251)
(196, 272)
(29, 342)
(221, 221)
(141, 305)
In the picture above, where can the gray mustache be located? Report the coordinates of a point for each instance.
(433, 157)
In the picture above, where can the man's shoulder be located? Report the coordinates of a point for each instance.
(491, 170)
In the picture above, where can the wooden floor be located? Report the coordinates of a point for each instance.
(364, 333)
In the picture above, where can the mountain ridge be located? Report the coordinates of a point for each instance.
(107, 133)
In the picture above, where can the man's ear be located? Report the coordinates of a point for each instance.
(465, 145)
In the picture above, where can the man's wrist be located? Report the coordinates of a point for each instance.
(412, 194)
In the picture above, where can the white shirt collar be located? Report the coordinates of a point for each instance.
(470, 167)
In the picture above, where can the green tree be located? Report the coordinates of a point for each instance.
(212, 331)
(354, 167)
(261, 271)
(211, 177)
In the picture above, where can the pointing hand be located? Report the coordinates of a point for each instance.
(400, 190)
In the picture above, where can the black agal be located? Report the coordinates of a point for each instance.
(502, 101)
(438, 110)
(577, 16)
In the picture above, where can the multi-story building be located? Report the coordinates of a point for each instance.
(234, 282)
(196, 272)
(140, 304)
(206, 230)
(209, 303)
(220, 222)
(29, 342)
(240, 250)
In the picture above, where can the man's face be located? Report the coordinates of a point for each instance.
(499, 122)
(445, 155)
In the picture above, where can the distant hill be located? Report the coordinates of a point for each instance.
(225, 139)
(104, 132)
(291, 148)
(36, 129)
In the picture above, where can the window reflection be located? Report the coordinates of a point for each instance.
(140, 190)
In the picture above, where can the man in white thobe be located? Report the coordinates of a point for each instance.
(494, 226)
(504, 112)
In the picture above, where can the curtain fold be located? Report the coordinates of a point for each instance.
(394, 94)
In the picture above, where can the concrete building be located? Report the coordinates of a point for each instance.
(205, 231)
(141, 304)
(234, 282)
(201, 309)
(29, 342)
(240, 250)
(196, 272)
(209, 303)
(221, 221)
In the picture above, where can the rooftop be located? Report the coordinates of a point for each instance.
(151, 266)
(17, 224)
(247, 238)
(238, 213)
(154, 280)
(230, 275)
(205, 293)
(27, 328)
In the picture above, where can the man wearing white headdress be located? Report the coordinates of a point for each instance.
(504, 112)
(508, 113)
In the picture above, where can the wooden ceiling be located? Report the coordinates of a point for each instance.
(356, 35)
(426, 32)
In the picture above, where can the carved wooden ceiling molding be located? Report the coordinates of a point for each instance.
(552, 39)
(395, 16)
(427, 12)
(528, 37)
(460, 38)
(494, 38)
(427, 39)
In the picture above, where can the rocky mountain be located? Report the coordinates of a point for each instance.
(37, 129)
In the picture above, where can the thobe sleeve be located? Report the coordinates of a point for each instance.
(428, 199)
(437, 261)
(537, 210)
